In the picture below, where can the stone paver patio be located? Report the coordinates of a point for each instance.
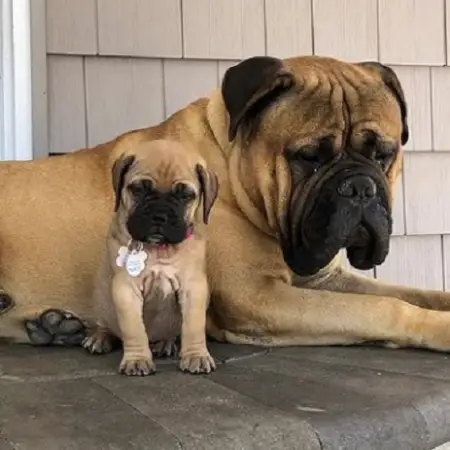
(292, 398)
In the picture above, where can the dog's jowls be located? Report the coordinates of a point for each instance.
(152, 285)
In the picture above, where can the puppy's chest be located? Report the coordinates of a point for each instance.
(160, 278)
(155, 272)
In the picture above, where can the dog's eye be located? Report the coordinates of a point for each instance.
(312, 160)
(379, 150)
(306, 158)
(384, 155)
(141, 188)
(183, 192)
(384, 159)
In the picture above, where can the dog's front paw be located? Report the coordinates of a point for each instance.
(100, 342)
(197, 362)
(137, 367)
(56, 327)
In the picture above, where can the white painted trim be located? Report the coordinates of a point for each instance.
(16, 127)
(39, 78)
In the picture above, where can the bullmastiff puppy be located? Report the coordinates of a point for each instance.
(152, 283)
(307, 151)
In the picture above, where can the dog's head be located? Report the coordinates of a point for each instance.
(162, 190)
(319, 144)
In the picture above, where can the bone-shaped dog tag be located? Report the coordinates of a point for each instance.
(135, 263)
(121, 256)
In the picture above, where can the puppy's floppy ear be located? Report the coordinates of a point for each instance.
(391, 80)
(209, 186)
(118, 171)
(251, 86)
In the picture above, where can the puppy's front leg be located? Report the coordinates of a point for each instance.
(137, 357)
(194, 355)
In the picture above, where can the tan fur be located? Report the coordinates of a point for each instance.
(170, 297)
(55, 214)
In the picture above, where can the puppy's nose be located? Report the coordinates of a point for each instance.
(160, 219)
(358, 187)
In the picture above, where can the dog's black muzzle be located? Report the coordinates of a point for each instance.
(158, 222)
(348, 207)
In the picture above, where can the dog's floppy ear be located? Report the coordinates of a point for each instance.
(209, 186)
(252, 85)
(118, 171)
(391, 80)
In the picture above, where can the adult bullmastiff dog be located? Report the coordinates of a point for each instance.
(307, 152)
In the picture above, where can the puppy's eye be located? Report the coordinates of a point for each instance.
(183, 192)
(140, 188)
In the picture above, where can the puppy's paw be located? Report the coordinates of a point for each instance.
(56, 327)
(100, 342)
(137, 367)
(162, 349)
(197, 363)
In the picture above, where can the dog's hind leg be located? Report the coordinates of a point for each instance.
(56, 327)
(164, 348)
(100, 341)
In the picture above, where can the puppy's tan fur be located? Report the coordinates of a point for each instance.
(55, 214)
(170, 296)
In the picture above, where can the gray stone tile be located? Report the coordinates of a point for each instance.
(373, 385)
(204, 415)
(75, 415)
(406, 361)
(230, 353)
(4, 445)
(28, 363)
(436, 413)
(355, 406)
(350, 397)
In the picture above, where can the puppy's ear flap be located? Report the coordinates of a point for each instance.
(251, 86)
(209, 186)
(118, 171)
(391, 80)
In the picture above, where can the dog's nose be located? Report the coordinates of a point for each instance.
(160, 219)
(358, 187)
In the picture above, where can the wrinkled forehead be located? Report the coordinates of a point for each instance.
(165, 166)
(165, 173)
(336, 100)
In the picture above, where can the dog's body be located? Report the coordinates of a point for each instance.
(152, 283)
(57, 210)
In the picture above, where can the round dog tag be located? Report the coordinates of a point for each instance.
(135, 263)
(121, 256)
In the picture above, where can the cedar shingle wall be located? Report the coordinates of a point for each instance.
(115, 65)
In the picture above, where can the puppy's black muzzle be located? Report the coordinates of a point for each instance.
(160, 222)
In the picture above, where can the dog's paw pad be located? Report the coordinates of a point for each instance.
(36, 334)
(56, 327)
(197, 363)
(139, 367)
(100, 342)
(163, 349)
